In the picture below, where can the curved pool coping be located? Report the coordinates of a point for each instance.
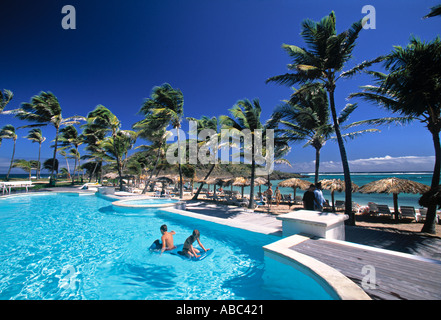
(121, 203)
(334, 282)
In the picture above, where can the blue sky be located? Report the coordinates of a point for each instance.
(217, 52)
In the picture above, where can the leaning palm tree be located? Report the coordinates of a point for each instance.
(413, 89)
(210, 143)
(69, 137)
(45, 109)
(8, 132)
(323, 61)
(35, 135)
(306, 118)
(155, 132)
(27, 166)
(117, 147)
(246, 116)
(166, 107)
(104, 121)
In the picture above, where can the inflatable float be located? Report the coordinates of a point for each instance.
(156, 248)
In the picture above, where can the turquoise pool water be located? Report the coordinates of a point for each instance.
(65, 246)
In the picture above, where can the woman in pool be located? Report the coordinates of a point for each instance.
(188, 249)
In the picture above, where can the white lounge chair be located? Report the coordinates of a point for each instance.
(408, 212)
(384, 209)
(373, 207)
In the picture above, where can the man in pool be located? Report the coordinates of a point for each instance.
(167, 239)
(188, 249)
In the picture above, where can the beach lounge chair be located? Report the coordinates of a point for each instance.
(339, 205)
(384, 209)
(421, 215)
(408, 212)
(373, 207)
(298, 200)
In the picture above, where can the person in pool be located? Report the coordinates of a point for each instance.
(188, 249)
(167, 239)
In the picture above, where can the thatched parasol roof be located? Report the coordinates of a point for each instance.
(240, 182)
(336, 185)
(295, 183)
(111, 175)
(394, 185)
(164, 179)
(260, 180)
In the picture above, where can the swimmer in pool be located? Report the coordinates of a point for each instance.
(167, 239)
(188, 249)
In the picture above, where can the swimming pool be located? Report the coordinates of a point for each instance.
(66, 246)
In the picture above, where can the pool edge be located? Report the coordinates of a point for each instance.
(342, 288)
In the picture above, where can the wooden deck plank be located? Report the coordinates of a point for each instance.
(397, 277)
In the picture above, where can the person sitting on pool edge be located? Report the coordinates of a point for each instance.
(188, 249)
(167, 239)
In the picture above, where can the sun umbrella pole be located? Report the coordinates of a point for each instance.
(396, 213)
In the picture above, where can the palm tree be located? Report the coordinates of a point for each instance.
(35, 135)
(434, 11)
(166, 107)
(26, 165)
(62, 151)
(306, 118)
(246, 116)
(154, 131)
(103, 120)
(206, 123)
(413, 89)
(45, 109)
(69, 137)
(117, 148)
(8, 132)
(93, 138)
(323, 61)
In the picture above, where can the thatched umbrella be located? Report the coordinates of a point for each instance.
(241, 182)
(336, 185)
(111, 175)
(259, 181)
(295, 183)
(395, 186)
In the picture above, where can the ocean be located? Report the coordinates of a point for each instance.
(359, 179)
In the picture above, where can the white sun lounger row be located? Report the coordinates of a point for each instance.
(7, 186)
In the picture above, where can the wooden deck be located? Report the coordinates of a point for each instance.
(397, 276)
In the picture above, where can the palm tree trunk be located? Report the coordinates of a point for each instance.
(344, 160)
(52, 181)
(68, 168)
(39, 164)
(151, 174)
(195, 197)
(317, 165)
(429, 224)
(253, 171)
(181, 193)
(12, 160)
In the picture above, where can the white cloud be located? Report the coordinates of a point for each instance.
(375, 164)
